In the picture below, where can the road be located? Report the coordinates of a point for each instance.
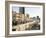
(25, 26)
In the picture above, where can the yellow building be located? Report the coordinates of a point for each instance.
(18, 16)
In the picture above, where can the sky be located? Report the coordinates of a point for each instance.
(32, 11)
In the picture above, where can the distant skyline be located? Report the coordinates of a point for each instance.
(32, 11)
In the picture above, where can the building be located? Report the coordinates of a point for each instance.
(38, 18)
(22, 10)
(19, 17)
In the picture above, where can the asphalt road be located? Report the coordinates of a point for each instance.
(27, 26)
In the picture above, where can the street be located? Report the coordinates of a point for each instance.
(26, 26)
